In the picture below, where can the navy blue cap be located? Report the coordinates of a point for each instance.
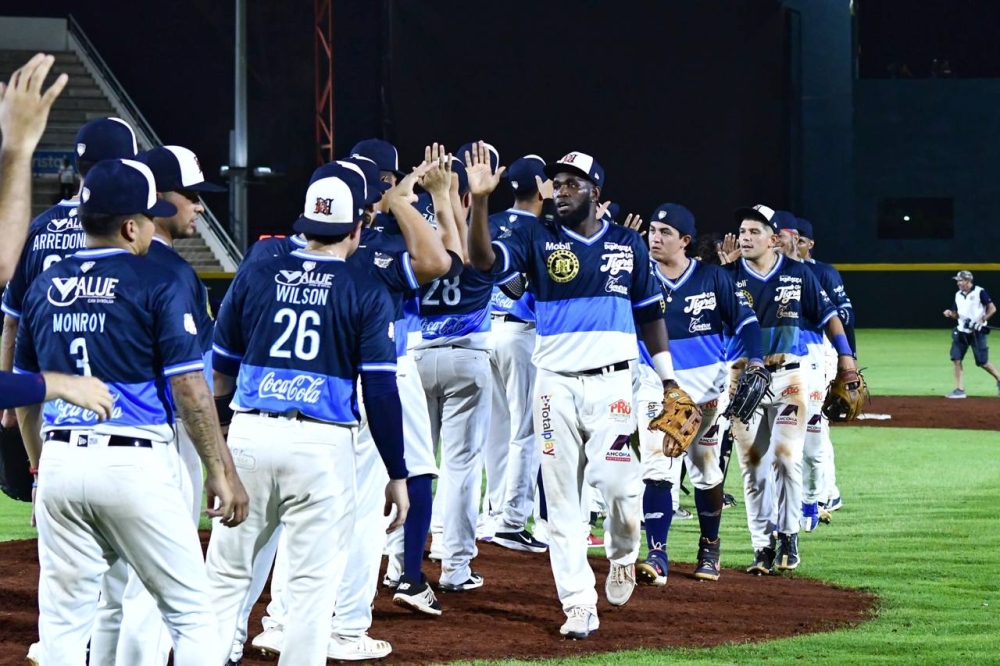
(805, 227)
(122, 187)
(467, 148)
(382, 153)
(105, 139)
(522, 172)
(783, 220)
(370, 172)
(176, 168)
(611, 214)
(759, 212)
(581, 164)
(335, 202)
(678, 217)
(458, 166)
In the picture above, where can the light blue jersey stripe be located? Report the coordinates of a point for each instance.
(584, 315)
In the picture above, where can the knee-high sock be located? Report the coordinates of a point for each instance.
(417, 525)
(709, 504)
(658, 512)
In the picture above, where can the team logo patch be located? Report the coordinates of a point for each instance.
(86, 266)
(64, 224)
(662, 214)
(562, 266)
(619, 451)
(81, 148)
(614, 286)
(382, 260)
(189, 324)
(323, 206)
(308, 265)
(790, 390)
(392, 330)
(698, 326)
(85, 195)
(745, 296)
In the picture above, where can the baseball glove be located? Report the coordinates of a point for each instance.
(15, 479)
(751, 388)
(679, 420)
(845, 396)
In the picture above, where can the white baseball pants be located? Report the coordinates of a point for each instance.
(582, 426)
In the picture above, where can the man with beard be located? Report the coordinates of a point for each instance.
(591, 282)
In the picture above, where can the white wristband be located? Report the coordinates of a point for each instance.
(663, 364)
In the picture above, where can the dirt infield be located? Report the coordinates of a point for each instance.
(933, 412)
(516, 614)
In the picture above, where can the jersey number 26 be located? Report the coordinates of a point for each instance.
(304, 327)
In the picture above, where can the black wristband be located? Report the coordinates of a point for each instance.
(223, 409)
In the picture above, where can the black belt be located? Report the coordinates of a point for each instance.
(113, 440)
(787, 366)
(608, 369)
(299, 416)
(507, 317)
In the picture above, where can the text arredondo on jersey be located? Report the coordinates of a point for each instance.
(303, 287)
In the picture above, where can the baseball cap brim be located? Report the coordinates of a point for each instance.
(552, 170)
(204, 186)
(161, 208)
(741, 214)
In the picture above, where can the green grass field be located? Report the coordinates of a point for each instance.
(918, 529)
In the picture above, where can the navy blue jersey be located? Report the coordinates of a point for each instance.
(389, 261)
(703, 305)
(297, 330)
(52, 236)
(113, 315)
(187, 278)
(501, 226)
(829, 278)
(585, 290)
(788, 301)
(267, 248)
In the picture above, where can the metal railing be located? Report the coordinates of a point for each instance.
(215, 235)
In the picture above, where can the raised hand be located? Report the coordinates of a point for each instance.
(482, 181)
(545, 187)
(730, 250)
(24, 108)
(602, 209)
(437, 179)
(634, 222)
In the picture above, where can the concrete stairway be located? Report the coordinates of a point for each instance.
(81, 101)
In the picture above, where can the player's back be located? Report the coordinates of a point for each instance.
(299, 319)
(52, 236)
(116, 316)
(502, 225)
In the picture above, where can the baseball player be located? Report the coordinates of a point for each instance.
(293, 335)
(511, 459)
(108, 490)
(56, 233)
(589, 278)
(972, 308)
(129, 629)
(454, 363)
(818, 472)
(702, 302)
(788, 300)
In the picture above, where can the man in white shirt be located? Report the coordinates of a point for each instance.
(973, 307)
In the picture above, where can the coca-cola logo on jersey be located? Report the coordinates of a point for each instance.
(301, 388)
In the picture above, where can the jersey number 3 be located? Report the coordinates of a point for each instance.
(306, 345)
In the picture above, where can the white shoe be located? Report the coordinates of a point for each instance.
(35, 654)
(620, 584)
(580, 621)
(271, 641)
(236, 654)
(359, 648)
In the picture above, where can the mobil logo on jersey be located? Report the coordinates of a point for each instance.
(64, 292)
(621, 411)
(300, 388)
(548, 437)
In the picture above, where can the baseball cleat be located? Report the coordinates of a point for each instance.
(594, 541)
(270, 642)
(834, 504)
(788, 552)
(728, 501)
(654, 570)
(35, 654)
(416, 596)
(957, 393)
(708, 560)
(356, 648)
(810, 516)
(620, 584)
(522, 540)
(390, 582)
(474, 582)
(682, 514)
(763, 562)
(581, 621)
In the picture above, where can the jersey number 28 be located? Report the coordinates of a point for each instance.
(306, 345)
(450, 292)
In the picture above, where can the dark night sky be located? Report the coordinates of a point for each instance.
(176, 62)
